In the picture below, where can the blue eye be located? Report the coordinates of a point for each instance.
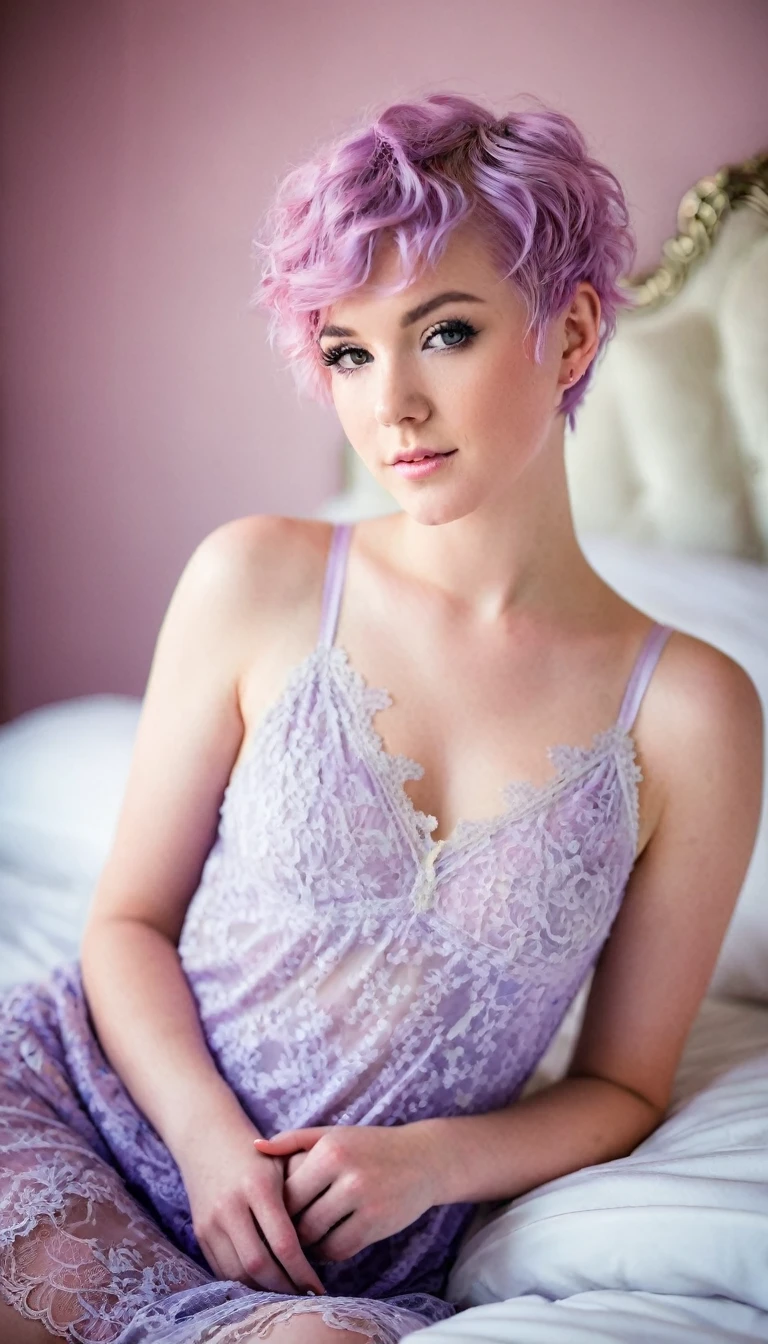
(454, 328)
(449, 328)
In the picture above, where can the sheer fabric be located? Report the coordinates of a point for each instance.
(348, 970)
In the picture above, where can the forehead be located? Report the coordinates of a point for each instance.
(465, 265)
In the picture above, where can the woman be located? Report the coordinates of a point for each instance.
(340, 923)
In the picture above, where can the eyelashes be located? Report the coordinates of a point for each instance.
(449, 327)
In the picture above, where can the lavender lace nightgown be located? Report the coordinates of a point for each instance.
(348, 970)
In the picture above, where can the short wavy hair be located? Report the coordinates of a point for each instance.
(550, 213)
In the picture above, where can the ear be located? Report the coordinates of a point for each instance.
(580, 334)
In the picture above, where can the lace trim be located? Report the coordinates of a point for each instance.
(393, 769)
(379, 1322)
(520, 796)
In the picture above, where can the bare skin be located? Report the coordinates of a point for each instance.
(477, 610)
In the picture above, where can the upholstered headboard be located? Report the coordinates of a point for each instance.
(671, 444)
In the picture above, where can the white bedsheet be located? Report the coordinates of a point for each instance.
(669, 1244)
(602, 1318)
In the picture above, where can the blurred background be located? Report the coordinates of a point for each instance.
(141, 143)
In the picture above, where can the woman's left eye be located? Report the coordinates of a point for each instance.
(463, 329)
(446, 330)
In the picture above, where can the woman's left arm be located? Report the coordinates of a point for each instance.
(707, 751)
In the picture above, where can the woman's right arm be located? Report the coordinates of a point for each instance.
(188, 737)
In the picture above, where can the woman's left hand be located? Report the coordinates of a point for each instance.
(376, 1178)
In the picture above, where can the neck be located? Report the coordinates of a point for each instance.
(516, 553)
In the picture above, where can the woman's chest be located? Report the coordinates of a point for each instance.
(473, 715)
(318, 820)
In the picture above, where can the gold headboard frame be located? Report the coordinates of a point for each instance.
(699, 217)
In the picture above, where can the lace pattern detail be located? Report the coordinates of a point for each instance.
(210, 1316)
(378, 952)
(393, 769)
(363, 702)
(84, 1274)
(379, 1322)
(519, 795)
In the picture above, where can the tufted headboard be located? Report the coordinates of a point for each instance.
(671, 444)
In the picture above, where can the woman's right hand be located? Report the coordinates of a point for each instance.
(238, 1213)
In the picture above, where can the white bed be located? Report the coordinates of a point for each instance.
(671, 1243)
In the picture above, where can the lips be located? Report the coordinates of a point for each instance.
(422, 454)
(426, 465)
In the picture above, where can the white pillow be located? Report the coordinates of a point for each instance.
(724, 601)
(41, 924)
(685, 1213)
(63, 771)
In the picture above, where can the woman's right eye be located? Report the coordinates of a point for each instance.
(334, 355)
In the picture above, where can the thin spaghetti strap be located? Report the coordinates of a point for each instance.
(334, 581)
(642, 672)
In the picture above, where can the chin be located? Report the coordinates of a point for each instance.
(433, 512)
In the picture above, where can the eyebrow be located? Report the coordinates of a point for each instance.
(414, 314)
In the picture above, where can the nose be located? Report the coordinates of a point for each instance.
(398, 395)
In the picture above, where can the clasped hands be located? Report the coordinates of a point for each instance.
(347, 1186)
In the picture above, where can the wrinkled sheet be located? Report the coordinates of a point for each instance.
(602, 1318)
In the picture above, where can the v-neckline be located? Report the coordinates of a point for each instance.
(389, 770)
(520, 796)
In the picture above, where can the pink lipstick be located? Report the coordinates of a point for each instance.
(423, 466)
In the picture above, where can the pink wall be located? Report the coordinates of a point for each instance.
(141, 405)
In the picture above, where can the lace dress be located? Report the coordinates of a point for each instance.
(348, 970)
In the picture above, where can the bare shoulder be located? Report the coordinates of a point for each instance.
(702, 730)
(260, 557)
(699, 690)
(239, 585)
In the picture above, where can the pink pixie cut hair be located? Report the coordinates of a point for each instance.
(550, 214)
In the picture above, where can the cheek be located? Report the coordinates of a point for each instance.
(349, 405)
(524, 376)
(356, 416)
(507, 392)
(506, 415)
